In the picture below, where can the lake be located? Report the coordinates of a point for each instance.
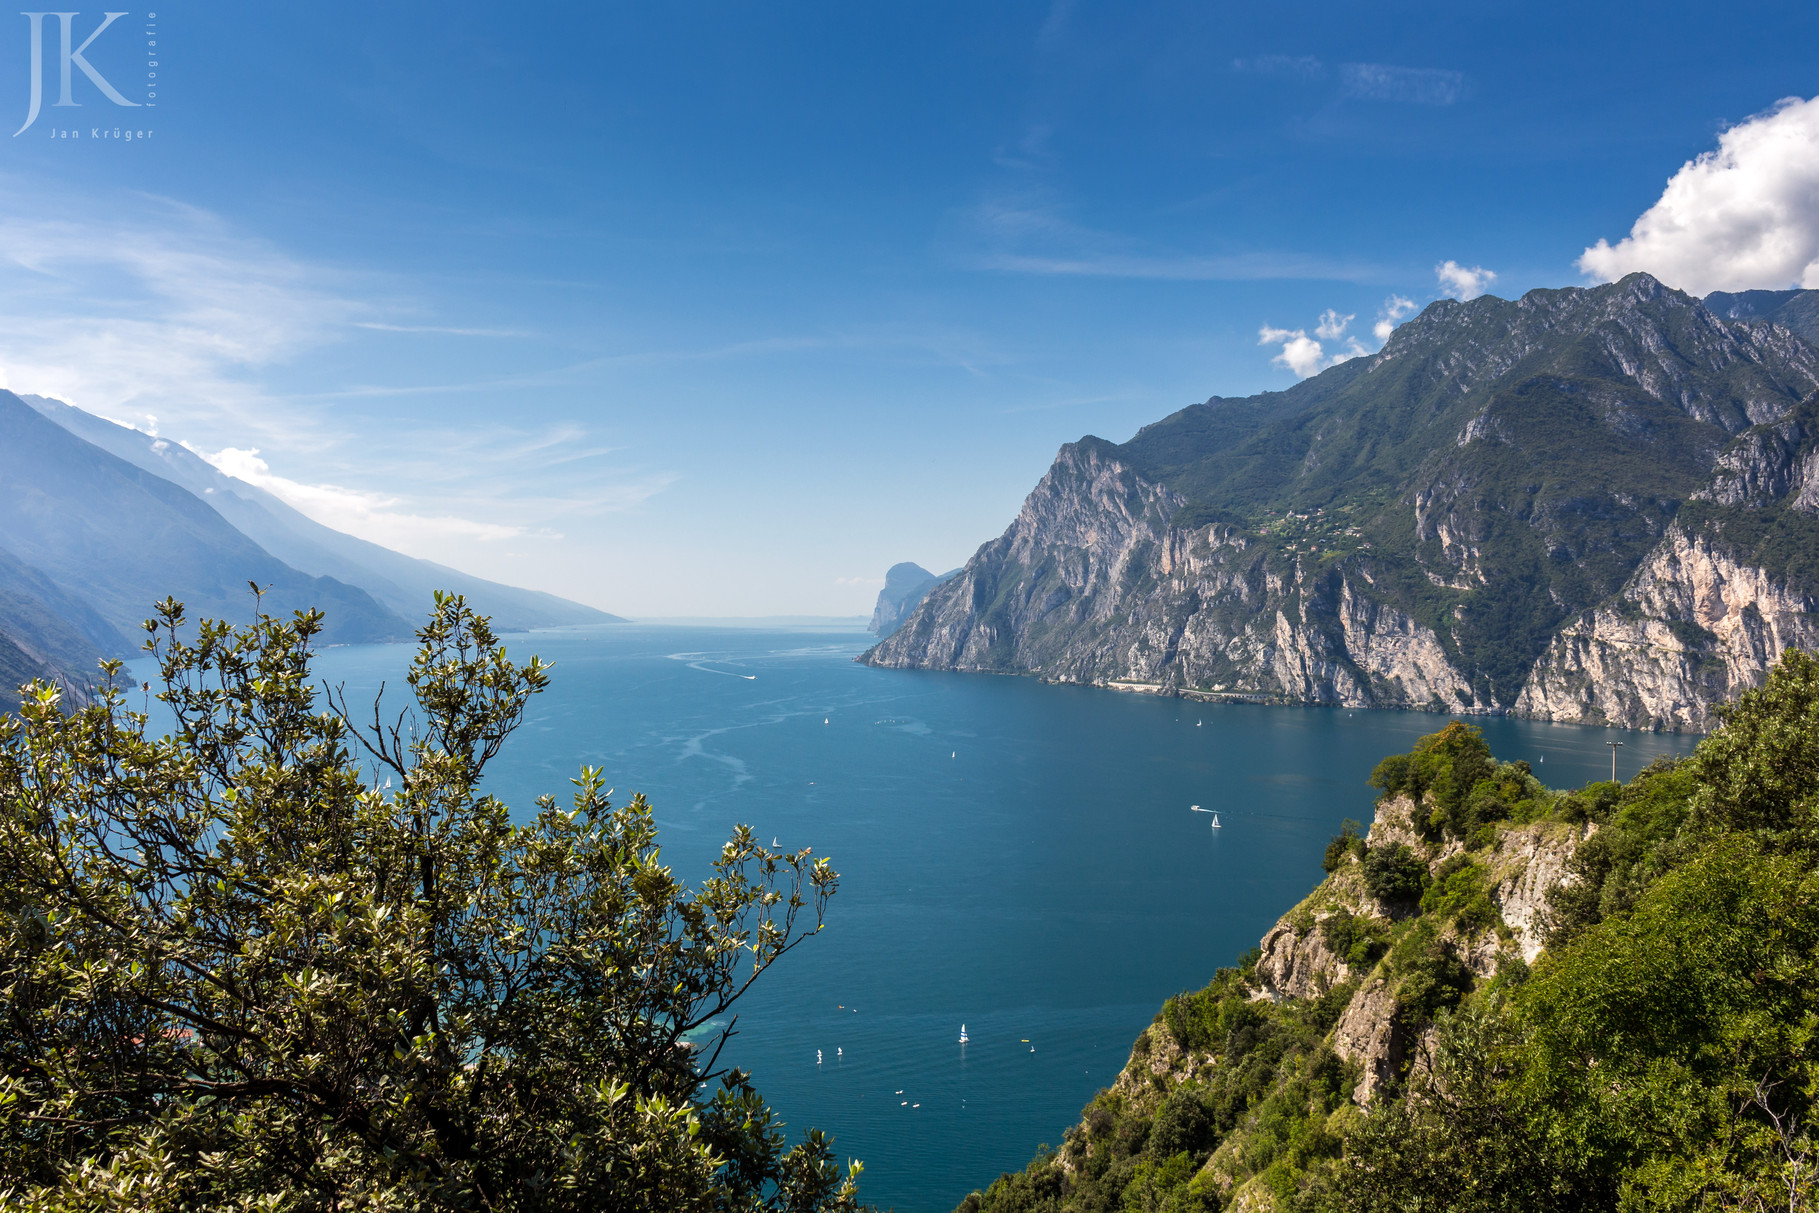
(1014, 856)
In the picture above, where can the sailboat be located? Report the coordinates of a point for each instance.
(1215, 820)
(962, 1033)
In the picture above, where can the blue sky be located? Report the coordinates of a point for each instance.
(725, 308)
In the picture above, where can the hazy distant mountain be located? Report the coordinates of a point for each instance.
(402, 583)
(119, 539)
(48, 633)
(1797, 311)
(905, 586)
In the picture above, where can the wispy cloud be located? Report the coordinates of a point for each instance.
(1332, 324)
(1293, 67)
(169, 309)
(373, 516)
(1364, 81)
(173, 320)
(1410, 85)
(379, 326)
(1020, 236)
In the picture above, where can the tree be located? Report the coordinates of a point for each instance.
(239, 972)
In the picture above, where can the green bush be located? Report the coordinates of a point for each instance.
(1430, 975)
(1356, 940)
(1440, 774)
(239, 974)
(1394, 874)
(1183, 1125)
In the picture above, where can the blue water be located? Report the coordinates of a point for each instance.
(1015, 856)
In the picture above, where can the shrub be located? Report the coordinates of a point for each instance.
(1431, 975)
(1460, 893)
(1344, 844)
(1356, 940)
(238, 974)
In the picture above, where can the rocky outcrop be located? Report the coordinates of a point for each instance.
(1526, 862)
(905, 586)
(1296, 963)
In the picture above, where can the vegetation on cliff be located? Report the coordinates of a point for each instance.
(1405, 1041)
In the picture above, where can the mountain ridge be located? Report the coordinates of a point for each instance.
(1419, 527)
(401, 583)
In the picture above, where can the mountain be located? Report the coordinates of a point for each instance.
(120, 539)
(1586, 504)
(905, 586)
(401, 583)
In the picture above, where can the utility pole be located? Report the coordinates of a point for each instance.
(1613, 745)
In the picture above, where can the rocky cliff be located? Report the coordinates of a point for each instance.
(1597, 505)
(1245, 1084)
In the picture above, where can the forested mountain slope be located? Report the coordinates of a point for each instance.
(1491, 514)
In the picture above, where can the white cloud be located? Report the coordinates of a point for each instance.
(1742, 216)
(1332, 324)
(1394, 309)
(1461, 282)
(1305, 355)
(1300, 353)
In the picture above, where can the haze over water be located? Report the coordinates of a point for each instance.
(1016, 856)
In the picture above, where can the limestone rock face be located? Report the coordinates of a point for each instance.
(1694, 626)
(1094, 583)
(1369, 1034)
(1297, 964)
